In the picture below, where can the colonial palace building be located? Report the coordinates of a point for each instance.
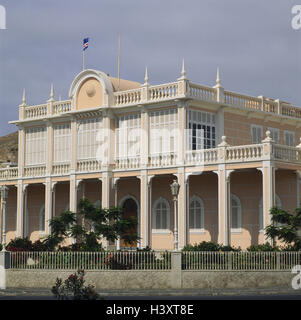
(119, 142)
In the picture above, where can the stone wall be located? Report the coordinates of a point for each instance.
(136, 279)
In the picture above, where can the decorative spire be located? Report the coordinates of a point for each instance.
(51, 92)
(183, 72)
(218, 80)
(146, 77)
(24, 97)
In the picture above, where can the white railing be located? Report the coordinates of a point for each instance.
(286, 153)
(39, 111)
(61, 107)
(127, 162)
(163, 159)
(90, 165)
(123, 260)
(127, 97)
(35, 171)
(8, 173)
(244, 153)
(244, 101)
(240, 261)
(201, 92)
(199, 157)
(61, 169)
(165, 91)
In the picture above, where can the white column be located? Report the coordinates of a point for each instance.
(26, 213)
(144, 220)
(144, 143)
(298, 181)
(105, 196)
(182, 208)
(53, 194)
(150, 211)
(224, 205)
(48, 204)
(268, 193)
(3, 208)
(115, 187)
(182, 117)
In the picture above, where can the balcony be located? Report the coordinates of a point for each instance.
(224, 153)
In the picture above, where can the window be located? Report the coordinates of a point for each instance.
(62, 143)
(161, 216)
(128, 136)
(256, 132)
(87, 143)
(261, 218)
(289, 138)
(196, 214)
(202, 133)
(163, 131)
(42, 218)
(235, 220)
(35, 146)
(274, 134)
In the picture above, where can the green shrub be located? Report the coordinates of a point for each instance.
(209, 246)
(263, 247)
(1, 247)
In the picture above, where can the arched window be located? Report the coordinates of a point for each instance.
(261, 219)
(161, 215)
(196, 213)
(42, 218)
(235, 220)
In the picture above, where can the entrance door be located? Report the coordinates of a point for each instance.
(130, 210)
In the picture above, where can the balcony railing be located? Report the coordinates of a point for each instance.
(224, 153)
(171, 91)
(8, 173)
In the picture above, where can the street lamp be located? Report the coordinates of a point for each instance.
(4, 195)
(175, 188)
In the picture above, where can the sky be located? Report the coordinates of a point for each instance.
(252, 41)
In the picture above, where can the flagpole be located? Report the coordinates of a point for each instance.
(83, 60)
(118, 61)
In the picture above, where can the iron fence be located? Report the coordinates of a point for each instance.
(240, 261)
(91, 260)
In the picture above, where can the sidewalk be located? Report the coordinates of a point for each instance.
(156, 293)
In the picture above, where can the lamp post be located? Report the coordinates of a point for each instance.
(4, 194)
(175, 188)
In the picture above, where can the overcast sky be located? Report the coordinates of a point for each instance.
(252, 41)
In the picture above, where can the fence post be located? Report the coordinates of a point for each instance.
(176, 270)
(278, 260)
(229, 260)
(4, 264)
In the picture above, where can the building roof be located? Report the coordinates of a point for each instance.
(124, 84)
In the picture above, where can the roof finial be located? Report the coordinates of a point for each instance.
(24, 97)
(146, 76)
(183, 73)
(51, 92)
(218, 80)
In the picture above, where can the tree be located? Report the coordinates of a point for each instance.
(285, 227)
(90, 225)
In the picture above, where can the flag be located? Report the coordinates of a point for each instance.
(85, 44)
